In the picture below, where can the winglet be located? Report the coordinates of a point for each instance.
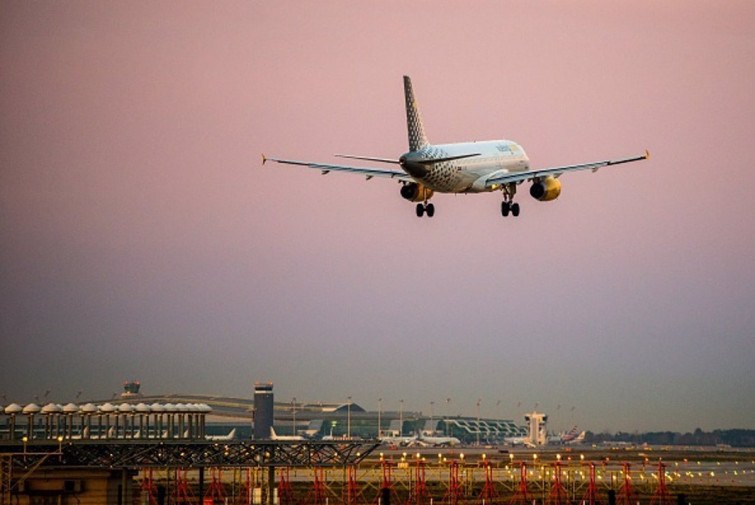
(647, 154)
(264, 158)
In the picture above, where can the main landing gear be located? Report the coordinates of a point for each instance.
(509, 208)
(423, 208)
(507, 205)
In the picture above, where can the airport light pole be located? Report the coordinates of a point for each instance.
(432, 404)
(401, 418)
(348, 418)
(380, 415)
(478, 420)
(518, 410)
(448, 414)
(293, 413)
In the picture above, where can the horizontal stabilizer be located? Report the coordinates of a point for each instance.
(367, 158)
(433, 161)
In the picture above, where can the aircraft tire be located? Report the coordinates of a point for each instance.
(505, 209)
(430, 209)
(514, 209)
(420, 210)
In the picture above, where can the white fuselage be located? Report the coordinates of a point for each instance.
(469, 174)
(438, 441)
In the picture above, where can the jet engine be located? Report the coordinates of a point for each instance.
(545, 189)
(415, 192)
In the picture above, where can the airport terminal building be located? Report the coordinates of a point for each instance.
(317, 420)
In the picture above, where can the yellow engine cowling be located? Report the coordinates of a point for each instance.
(415, 192)
(545, 189)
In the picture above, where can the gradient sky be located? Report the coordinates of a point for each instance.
(141, 238)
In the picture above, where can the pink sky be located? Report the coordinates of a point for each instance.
(141, 238)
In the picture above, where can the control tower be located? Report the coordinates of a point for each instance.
(536, 428)
(263, 410)
(131, 389)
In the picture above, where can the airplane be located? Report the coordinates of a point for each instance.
(433, 441)
(330, 437)
(230, 436)
(567, 438)
(467, 167)
(572, 437)
(284, 438)
(395, 441)
(524, 441)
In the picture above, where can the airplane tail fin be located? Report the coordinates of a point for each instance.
(417, 138)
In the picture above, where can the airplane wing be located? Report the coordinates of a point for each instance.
(517, 177)
(369, 173)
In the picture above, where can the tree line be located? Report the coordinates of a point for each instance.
(733, 438)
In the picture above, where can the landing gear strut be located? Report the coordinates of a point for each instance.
(508, 206)
(423, 208)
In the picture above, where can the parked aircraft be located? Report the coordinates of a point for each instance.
(275, 436)
(398, 441)
(570, 437)
(434, 441)
(230, 436)
(575, 439)
(524, 441)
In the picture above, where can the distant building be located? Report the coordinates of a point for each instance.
(489, 430)
(321, 418)
(264, 411)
